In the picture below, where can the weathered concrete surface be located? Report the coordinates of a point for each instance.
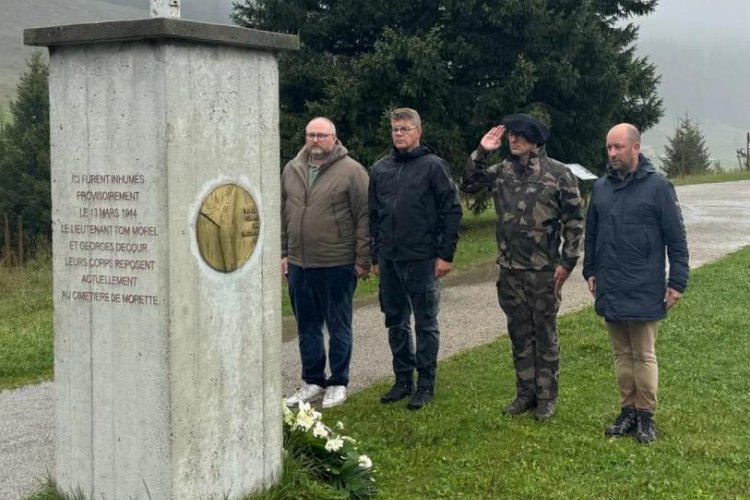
(167, 381)
(717, 217)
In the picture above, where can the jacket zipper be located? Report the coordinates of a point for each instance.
(302, 227)
(395, 204)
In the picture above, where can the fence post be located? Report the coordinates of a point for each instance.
(6, 232)
(20, 241)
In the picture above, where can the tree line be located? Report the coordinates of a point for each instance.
(25, 205)
(463, 64)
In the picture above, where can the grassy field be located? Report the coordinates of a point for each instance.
(735, 175)
(26, 324)
(460, 446)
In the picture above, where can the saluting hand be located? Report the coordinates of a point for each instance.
(493, 139)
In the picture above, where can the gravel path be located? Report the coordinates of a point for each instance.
(717, 217)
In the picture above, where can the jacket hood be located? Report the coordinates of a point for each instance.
(645, 167)
(422, 150)
(338, 152)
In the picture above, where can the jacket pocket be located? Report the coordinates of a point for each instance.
(342, 215)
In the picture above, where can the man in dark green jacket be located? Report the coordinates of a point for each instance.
(324, 249)
(633, 217)
(538, 208)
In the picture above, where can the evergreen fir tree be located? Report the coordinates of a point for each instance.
(686, 151)
(25, 154)
(462, 65)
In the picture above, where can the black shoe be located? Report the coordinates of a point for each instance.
(399, 391)
(545, 408)
(646, 430)
(520, 405)
(625, 425)
(421, 397)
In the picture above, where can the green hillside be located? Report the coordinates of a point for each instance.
(20, 14)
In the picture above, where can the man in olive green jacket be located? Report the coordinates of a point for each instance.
(324, 249)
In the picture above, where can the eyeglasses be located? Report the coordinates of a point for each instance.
(317, 137)
(402, 130)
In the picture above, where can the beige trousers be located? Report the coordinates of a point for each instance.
(635, 362)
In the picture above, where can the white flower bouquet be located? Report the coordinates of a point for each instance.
(334, 457)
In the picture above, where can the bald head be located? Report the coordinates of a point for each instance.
(630, 131)
(623, 148)
(322, 121)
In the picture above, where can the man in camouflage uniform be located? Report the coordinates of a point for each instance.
(537, 202)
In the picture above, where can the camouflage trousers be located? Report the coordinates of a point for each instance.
(529, 302)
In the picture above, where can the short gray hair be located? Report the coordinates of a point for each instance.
(323, 119)
(406, 114)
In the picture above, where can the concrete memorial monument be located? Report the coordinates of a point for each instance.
(165, 195)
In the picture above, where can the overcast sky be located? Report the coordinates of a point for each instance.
(702, 50)
(692, 21)
(698, 22)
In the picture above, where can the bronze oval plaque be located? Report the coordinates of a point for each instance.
(228, 227)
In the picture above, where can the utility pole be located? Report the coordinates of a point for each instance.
(747, 153)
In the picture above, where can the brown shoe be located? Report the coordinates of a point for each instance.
(519, 405)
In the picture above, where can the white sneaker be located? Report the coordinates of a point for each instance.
(305, 394)
(335, 395)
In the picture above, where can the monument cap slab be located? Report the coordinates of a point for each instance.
(159, 28)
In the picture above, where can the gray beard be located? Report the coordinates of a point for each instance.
(318, 158)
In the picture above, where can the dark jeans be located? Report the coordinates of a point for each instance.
(407, 287)
(321, 295)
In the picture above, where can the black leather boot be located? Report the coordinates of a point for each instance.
(624, 425)
(545, 408)
(520, 405)
(646, 431)
(399, 391)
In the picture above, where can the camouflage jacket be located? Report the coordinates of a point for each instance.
(536, 205)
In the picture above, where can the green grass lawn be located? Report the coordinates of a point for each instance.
(734, 175)
(461, 446)
(26, 324)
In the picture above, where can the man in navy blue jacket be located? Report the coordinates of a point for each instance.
(633, 217)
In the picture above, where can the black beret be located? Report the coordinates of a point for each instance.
(528, 126)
